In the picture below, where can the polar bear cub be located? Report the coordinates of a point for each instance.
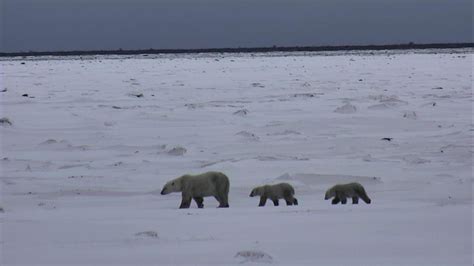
(274, 193)
(197, 187)
(341, 192)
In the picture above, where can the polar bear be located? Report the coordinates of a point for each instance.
(199, 186)
(274, 193)
(344, 191)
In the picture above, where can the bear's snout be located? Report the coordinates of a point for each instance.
(163, 192)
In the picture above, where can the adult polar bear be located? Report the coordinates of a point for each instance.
(199, 186)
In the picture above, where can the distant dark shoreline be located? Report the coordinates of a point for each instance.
(408, 46)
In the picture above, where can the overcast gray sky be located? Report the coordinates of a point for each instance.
(52, 25)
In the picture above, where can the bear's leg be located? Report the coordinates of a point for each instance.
(290, 200)
(199, 201)
(223, 205)
(218, 199)
(185, 203)
(222, 198)
(363, 195)
(275, 202)
(341, 196)
(336, 200)
(343, 200)
(222, 202)
(355, 200)
(225, 200)
(263, 200)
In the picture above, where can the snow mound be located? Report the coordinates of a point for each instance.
(413, 159)
(284, 176)
(409, 115)
(380, 106)
(280, 158)
(242, 112)
(257, 85)
(388, 100)
(69, 166)
(54, 144)
(458, 150)
(306, 95)
(346, 109)
(284, 133)
(368, 158)
(49, 141)
(136, 94)
(306, 84)
(177, 151)
(429, 104)
(248, 135)
(150, 234)
(254, 256)
(194, 105)
(4, 121)
(110, 123)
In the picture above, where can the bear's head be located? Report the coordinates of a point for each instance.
(256, 192)
(330, 193)
(172, 186)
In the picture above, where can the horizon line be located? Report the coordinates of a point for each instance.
(274, 48)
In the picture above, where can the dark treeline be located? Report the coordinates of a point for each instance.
(248, 50)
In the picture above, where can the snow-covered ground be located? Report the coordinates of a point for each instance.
(89, 149)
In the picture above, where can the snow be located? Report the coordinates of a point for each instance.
(86, 153)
